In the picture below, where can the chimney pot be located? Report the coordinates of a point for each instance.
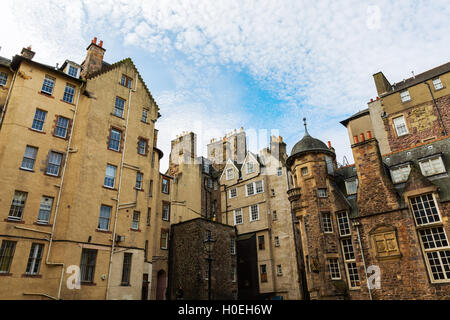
(27, 53)
(101, 43)
(355, 139)
(369, 135)
(94, 41)
(378, 98)
(362, 137)
(329, 144)
(371, 100)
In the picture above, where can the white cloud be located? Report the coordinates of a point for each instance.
(316, 56)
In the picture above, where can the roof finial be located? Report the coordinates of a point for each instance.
(306, 129)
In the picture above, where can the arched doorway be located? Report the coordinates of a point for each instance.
(161, 285)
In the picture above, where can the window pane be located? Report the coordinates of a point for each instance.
(17, 206)
(48, 85)
(54, 162)
(119, 107)
(29, 157)
(424, 209)
(45, 209)
(105, 214)
(110, 176)
(69, 93)
(61, 127)
(39, 118)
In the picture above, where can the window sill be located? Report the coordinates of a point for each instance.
(71, 103)
(109, 188)
(2, 274)
(62, 138)
(48, 95)
(25, 169)
(51, 175)
(25, 275)
(88, 284)
(439, 88)
(43, 224)
(135, 230)
(14, 221)
(137, 189)
(103, 231)
(118, 151)
(145, 122)
(125, 285)
(37, 131)
(117, 116)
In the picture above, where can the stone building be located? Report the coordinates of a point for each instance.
(82, 191)
(384, 220)
(189, 267)
(253, 198)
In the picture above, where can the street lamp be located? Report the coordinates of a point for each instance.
(209, 246)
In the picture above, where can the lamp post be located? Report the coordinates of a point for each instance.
(209, 246)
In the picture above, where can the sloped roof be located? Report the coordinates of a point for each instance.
(5, 61)
(106, 67)
(427, 75)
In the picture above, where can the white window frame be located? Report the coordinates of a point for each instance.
(110, 177)
(61, 126)
(28, 158)
(54, 164)
(351, 185)
(251, 184)
(279, 171)
(320, 194)
(77, 71)
(135, 222)
(400, 173)
(229, 174)
(404, 96)
(238, 213)
(250, 167)
(254, 188)
(327, 222)
(436, 167)
(49, 82)
(437, 84)
(233, 246)
(144, 116)
(103, 217)
(251, 213)
(350, 262)
(35, 258)
(343, 223)
(45, 209)
(230, 194)
(333, 265)
(401, 129)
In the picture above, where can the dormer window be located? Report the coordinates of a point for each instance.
(400, 173)
(432, 165)
(230, 174)
(404, 95)
(72, 71)
(250, 167)
(351, 186)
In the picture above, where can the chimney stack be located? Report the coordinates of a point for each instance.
(94, 58)
(27, 53)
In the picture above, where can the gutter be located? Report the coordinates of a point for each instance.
(7, 97)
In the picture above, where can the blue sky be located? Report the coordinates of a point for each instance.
(214, 66)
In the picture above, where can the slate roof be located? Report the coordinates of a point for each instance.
(355, 116)
(5, 61)
(427, 75)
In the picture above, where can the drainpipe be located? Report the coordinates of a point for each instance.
(7, 97)
(357, 224)
(47, 262)
(119, 188)
(437, 110)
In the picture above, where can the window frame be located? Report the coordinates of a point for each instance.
(34, 259)
(106, 176)
(163, 190)
(327, 222)
(434, 81)
(25, 157)
(3, 79)
(118, 106)
(51, 165)
(110, 139)
(41, 221)
(139, 180)
(251, 213)
(399, 170)
(429, 161)
(69, 93)
(334, 269)
(88, 265)
(126, 268)
(229, 176)
(402, 125)
(17, 208)
(11, 246)
(38, 120)
(102, 218)
(49, 82)
(164, 216)
(238, 213)
(58, 126)
(230, 196)
(405, 97)
(135, 221)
